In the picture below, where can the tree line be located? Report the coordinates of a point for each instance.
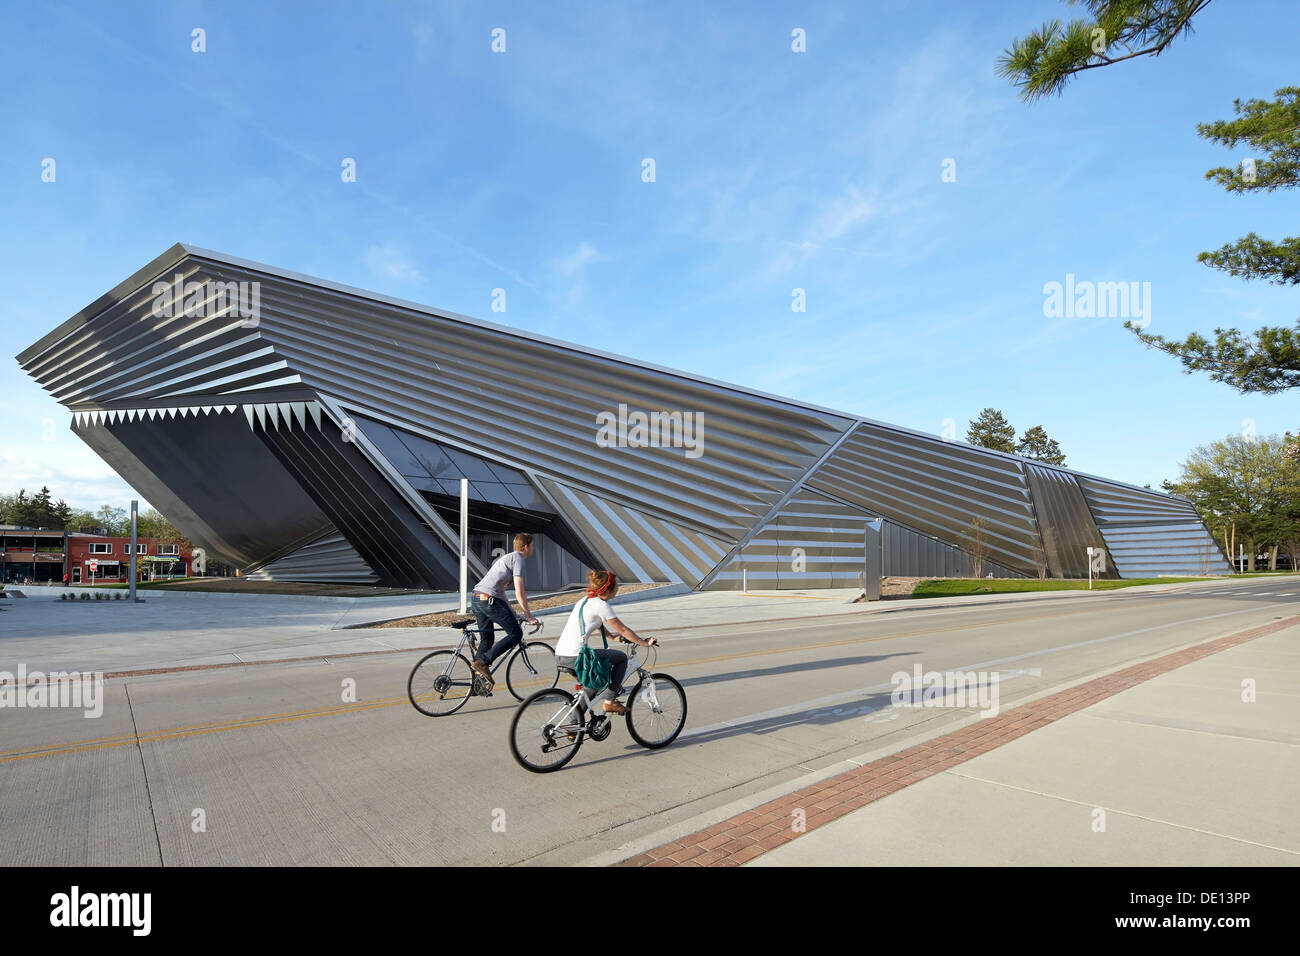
(992, 430)
(43, 511)
(1247, 491)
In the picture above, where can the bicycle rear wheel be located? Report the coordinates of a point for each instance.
(440, 683)
(656, 711)
(532, 667)
(546, 731)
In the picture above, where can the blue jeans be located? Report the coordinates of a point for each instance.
(489, 612)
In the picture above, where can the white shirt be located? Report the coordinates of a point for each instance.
(595, 612)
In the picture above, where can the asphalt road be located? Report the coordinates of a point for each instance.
(269, 765)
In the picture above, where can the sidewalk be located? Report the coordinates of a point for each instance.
(1162, 763)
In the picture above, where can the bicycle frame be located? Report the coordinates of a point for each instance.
(584, 701)
(472, 636)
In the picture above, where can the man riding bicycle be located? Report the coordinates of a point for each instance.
(490, 606)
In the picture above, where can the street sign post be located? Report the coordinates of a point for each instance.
(135, 512)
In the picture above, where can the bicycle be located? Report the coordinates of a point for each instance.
(549, 726)
(443, 681)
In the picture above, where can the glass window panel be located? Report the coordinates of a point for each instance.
(390, 445)
(492, 491)
(506, 474)
(473, 468)
(530, 499)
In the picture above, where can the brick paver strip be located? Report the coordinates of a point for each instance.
(754, 832)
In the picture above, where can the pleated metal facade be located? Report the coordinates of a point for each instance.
(938, 488)
(331, 560)
(1151, 538)
(815, 541)
(308, 430)
(1065, 523)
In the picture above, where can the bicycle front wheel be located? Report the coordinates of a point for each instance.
(440, 684)
(532, 667)
(656, 711)
(546, 731)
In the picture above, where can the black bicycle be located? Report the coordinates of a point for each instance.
(442, 681)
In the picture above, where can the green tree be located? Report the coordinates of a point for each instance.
(152, 524)
(45, 512)
(81, 519)
(13, 508)
(1044, 61)
(1248, 485)
(114, 521)
(1269, 360)
(1036, 445)
(992, 430)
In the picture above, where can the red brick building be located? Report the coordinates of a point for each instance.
(28, 556)
(112, 557)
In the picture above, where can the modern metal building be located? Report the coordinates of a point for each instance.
(305, 430)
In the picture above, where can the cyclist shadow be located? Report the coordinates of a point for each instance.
(829, 714)
(567, 683)
(869, 704)
(786, 669)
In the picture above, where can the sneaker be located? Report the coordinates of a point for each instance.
(614, 707)
(482, 670)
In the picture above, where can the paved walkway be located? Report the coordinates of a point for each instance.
(1163, 762)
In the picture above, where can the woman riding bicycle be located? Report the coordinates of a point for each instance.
(592, 613)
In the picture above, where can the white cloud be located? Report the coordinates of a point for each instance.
(841, 215)
(573, 269)
(576, 262)
(388, 262)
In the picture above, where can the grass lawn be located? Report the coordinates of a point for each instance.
(954, 587)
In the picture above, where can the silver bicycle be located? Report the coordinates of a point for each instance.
(443, 681)
(549, 726)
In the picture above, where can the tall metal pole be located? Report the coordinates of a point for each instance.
(464, 545)
(135, 509)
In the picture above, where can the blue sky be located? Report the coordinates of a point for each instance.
(774, 170)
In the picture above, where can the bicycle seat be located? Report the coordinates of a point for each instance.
(568, 670)
(461, 625)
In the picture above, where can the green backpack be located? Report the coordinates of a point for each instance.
(592, 671)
